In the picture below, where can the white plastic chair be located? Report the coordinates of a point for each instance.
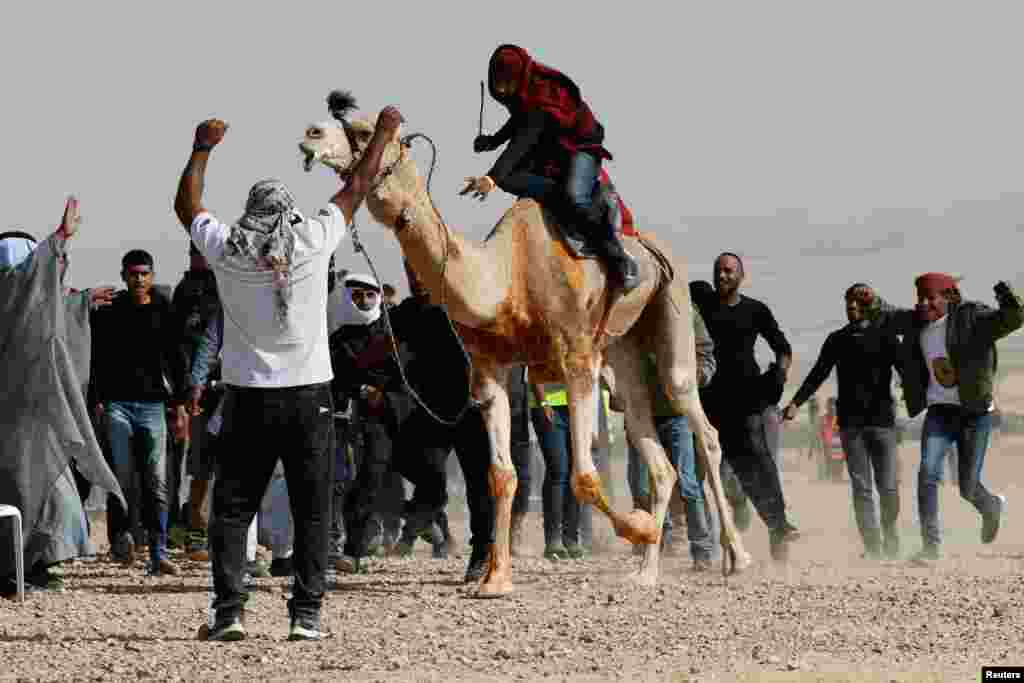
(19, 547)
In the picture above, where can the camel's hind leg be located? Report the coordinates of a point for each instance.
(489, 388)
(627, 360)
(669, 324)
(636, 526)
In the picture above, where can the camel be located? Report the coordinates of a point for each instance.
(522, 297)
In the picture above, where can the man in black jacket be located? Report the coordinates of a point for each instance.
(864, 354)
(138, 369)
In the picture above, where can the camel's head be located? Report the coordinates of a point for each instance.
(336, 145)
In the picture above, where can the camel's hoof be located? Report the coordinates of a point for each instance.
(643, 579)
(638, 527)
(494, 588)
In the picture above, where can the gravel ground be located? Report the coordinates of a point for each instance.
(413, 620)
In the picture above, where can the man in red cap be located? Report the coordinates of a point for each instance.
(555, 153)
(949, 368)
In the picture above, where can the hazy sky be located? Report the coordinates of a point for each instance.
(712, 110)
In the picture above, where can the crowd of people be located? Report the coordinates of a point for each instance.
(299, 400)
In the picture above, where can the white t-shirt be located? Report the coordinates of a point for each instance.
(257, 351)
(933, 345)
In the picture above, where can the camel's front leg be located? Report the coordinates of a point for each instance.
(493, 395)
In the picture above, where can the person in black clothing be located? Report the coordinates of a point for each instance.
(702, 294)
(554, 153)
(864, 355)
(195, 304)
(397, 434)
(736, 398)
(368, 381)
(137, 369)
(437, 370)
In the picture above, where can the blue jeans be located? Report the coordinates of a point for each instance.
(677, 440)
(945, 425)
(137, 434)
(561, 510)
(576, 194)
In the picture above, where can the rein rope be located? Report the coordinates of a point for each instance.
(357, 245)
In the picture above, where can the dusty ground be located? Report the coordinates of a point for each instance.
(413, 620)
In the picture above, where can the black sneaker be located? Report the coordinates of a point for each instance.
(225, 630)
(477, 567)
(282, 566)
(304, 627)
(990, 521)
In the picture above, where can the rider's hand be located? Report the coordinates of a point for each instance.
(479, 187)
(210, 132)
(482, 143)
(789, 413)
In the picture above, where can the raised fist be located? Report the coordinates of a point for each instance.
(390, 119)
(209, 133)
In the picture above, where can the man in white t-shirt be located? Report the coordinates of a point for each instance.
(949, 369)
(271, 268)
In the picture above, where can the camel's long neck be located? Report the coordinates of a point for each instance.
(471, 279)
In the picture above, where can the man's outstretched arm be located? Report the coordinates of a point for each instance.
(188, 202)
(352, 195)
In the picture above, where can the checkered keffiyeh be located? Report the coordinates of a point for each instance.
(264, 237)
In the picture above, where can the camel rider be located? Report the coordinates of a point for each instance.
(554, 153)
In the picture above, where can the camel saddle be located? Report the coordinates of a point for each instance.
(618, 213)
